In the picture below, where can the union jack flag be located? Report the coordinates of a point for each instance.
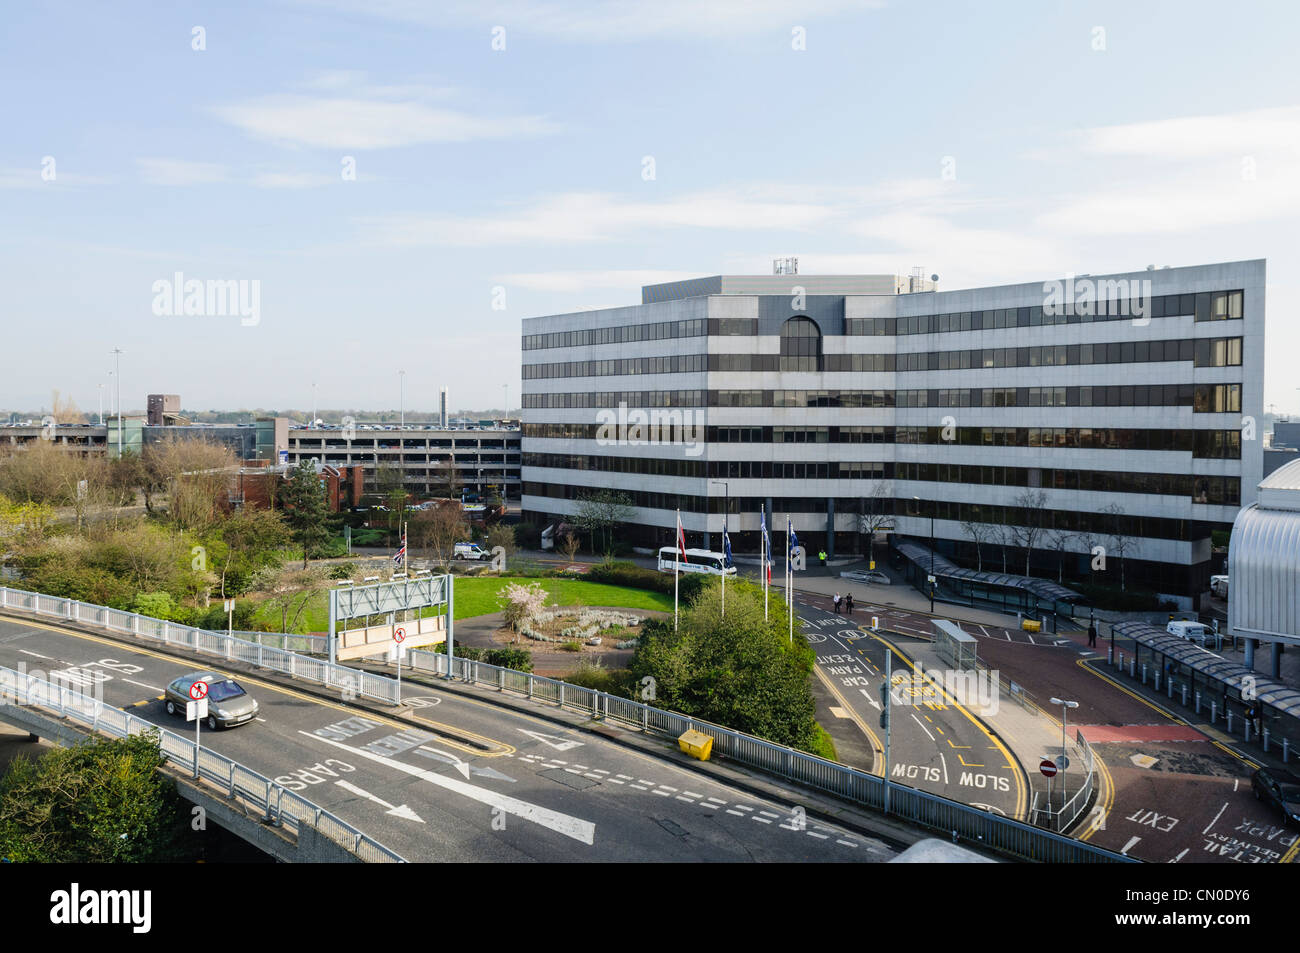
(400, 555)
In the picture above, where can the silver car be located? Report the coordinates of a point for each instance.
(228, 703)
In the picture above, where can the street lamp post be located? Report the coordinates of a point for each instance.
(402, 413)
(1065, 709)
(117, 384)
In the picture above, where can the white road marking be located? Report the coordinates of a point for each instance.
(402, 811)
(923, 728)
(1216, 817)
(846, 843)
(576, 828)
(555, 741)
(615, 781)
(1030, 636)
(255, 718)
(769, 814)
(663, 793)
(1235, 782)
(668, 788)
(761, 820)
(451, 759)
(638, 787)
(737, 813)
(1131, 842)
(744, 807)
(33, 654)
(625, 777)
(692, 794)
(815, 834)
(152, 688)
(1182, 853)
(688, 800)
(944, 761)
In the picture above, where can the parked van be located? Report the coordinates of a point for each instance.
(1192, 631)
(470, 551)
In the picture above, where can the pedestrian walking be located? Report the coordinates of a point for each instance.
(1092, 634)
(848, 604)
(822, 556)
(836, 602)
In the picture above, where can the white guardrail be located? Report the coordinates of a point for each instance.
(276, 804)
(927, 810)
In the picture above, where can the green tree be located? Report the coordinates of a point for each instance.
(738, 670)
(303, 499)
(102, 801)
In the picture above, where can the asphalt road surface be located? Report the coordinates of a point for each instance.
(936, 745)
(455, 779)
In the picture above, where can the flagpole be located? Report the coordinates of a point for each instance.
(789, 579)
(677, 563)
(724, 565)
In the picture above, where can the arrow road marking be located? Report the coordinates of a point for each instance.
(555, 741)
(576, 828)
(451, 759)
(867, 695)
(402, 811)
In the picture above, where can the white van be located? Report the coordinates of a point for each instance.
(1196, 632)
(470, 551)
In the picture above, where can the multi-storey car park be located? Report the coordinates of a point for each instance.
(1129, 400)
(484, 459)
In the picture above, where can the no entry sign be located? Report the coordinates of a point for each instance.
(399, 634)
(1048, 768)
(199, 690)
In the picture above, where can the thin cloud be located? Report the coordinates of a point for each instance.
(157, 171)
(358, 122)
(611, 20)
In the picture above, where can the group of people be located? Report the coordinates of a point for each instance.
(846, 602)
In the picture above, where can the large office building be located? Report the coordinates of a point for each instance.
(1113, 411)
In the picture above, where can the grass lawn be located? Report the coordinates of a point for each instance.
(477, 595)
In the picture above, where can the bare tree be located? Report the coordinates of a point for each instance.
(1059, 540)
(446, 479)
(1119, 542)
(569, 545)
(438, 529)
(1029, 525)
(981, 533)
(599, 513)
(877, 513)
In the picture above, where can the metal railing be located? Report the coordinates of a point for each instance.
(919, 807)
(1065, 818)
(272, 801)
(214, 644)
(928, 810)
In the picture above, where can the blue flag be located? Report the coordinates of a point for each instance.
(794, 540)
(726, 547)
(767, 546)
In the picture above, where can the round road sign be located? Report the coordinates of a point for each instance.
(1062, 762)
(1048, 768)
(199, 690)
(399, 634)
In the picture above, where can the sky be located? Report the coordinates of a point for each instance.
(397, 184)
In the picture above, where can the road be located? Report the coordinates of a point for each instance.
(936, 745)
(454, 779)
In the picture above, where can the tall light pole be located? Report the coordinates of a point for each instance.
(117, 383)
(101, 405)
(505, 411)
(1065, 708)
(311, 424)
(402, 422)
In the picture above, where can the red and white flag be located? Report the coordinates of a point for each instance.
(681, 538)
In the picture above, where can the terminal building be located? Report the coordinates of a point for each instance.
(1114, 411)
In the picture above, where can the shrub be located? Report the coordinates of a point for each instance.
(521, 660)
(570, 647)
(343, 570)
(591, 674)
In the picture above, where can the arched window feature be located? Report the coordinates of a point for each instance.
(801, 345)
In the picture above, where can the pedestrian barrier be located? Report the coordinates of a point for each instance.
(275, 804)
(928, 810)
